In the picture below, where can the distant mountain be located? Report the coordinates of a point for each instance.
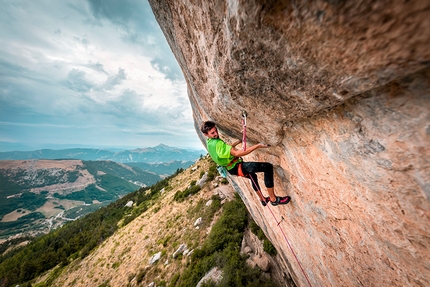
(38, 195)
(158, 154)
(162, 169)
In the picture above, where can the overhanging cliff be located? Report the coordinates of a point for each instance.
(341, 91)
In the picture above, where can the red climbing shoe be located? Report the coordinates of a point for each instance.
(281, 200)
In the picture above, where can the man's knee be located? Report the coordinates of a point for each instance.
(268, 165)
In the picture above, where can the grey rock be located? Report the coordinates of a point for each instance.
(155, 258)
(215, 274)
(180, 250)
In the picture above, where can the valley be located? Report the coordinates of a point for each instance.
(41, 195)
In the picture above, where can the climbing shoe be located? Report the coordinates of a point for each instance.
(281, 200)
(266, 200)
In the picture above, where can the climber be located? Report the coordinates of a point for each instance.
(230, 157)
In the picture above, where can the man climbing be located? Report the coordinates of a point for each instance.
(230, 157)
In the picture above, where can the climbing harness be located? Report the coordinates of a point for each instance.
(260, 194)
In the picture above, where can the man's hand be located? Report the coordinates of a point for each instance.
(262, 145)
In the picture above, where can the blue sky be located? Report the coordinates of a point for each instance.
(89, 73)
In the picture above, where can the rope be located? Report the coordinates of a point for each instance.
(244, 114)
(282, 231)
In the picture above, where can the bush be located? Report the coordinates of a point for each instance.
(182, 195)
(174, 280)
(267, 245)
(269, 248)
(140, 275)
(256, 229)
(222, 249)
(212, 172)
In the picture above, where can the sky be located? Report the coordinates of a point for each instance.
(89, 73)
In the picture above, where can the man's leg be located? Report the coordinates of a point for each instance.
(252, 167)
(255, 185)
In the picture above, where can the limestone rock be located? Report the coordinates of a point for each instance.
(262, 261)
(202, 180)
(247, 250)
(215, 275)
(341, 91)
(198, 221)
(180, 250)
(155, 258)
(189, 252)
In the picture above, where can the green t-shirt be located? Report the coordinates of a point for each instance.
(220, 152)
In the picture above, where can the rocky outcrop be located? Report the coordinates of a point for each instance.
(341, 91)
(214, 275)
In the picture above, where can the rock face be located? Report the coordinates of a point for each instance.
(341, 91)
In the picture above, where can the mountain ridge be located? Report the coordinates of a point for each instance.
(158, 154)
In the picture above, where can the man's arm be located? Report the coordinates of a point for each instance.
(239, 153)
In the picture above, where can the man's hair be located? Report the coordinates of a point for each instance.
(207, 126)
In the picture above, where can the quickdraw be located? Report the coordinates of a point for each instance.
(244, 114)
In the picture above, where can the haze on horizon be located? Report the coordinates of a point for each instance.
(89, 73)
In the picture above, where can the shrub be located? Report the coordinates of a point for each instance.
(267, 245)
(224, 181)
(105, 284)
(222, 248)
(164, 240)
(174, 280)
(182, 195)
(256, 229)
(140, 275)
(269, 248)
(212, 172)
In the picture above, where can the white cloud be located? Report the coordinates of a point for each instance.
(103, 65)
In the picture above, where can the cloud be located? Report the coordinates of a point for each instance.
(89, 72)
(96, 67)
(137, 22)
(77, 81)
(115, 80)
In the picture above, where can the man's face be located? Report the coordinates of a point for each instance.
(213, 133)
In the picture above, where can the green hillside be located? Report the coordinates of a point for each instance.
(75, 239)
